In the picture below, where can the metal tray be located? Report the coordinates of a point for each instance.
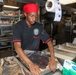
(69, 45)
(65, 48)
(65, 52)
(45, 71)
(38, 58)
(64, 55)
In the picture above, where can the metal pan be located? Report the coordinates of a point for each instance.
(69, 45)
(65, 48)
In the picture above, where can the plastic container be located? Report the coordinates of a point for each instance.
(69, 68)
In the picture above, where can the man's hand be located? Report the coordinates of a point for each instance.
(52, 64)
(35, 70)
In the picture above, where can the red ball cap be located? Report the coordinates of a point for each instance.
(30, 7)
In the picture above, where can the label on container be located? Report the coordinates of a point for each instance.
(67, 64)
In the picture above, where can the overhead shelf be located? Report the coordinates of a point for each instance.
(5, 24)
(6, 17)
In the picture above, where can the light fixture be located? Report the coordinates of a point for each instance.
(74, 12)
(8, 6)
(67, 2)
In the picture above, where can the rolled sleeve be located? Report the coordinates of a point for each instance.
(16, 33)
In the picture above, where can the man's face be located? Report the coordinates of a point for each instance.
(31, 17)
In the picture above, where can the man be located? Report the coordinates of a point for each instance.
(27, 35)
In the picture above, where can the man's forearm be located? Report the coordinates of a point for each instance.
(22, 55)
(51, 49)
